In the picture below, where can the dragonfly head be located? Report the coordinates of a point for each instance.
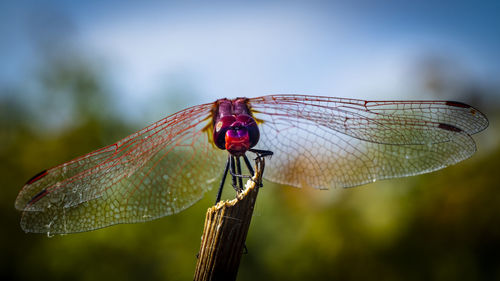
(236, 134)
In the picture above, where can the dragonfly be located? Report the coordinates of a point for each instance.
(315, 141)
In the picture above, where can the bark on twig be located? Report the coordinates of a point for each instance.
(225, 231)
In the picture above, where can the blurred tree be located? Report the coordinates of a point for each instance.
(440, 226)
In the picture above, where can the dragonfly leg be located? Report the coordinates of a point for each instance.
(221, 186)
(236, 175)
(238, 171)
(261, 153)
(249, 165)
(233, 173)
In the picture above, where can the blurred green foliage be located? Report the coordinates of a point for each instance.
(439, 226)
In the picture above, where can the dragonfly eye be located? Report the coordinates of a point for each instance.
(221, 127)
(250, 125)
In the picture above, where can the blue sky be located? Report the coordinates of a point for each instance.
(363, 49)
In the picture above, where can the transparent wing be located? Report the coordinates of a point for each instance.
(326, 142)
(157, 171)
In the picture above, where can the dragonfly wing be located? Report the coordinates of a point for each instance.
(326, 142)
(157, 171)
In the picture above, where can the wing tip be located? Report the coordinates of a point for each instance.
(36, 177)
(481, 117)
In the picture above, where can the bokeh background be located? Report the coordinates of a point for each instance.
(78, 75)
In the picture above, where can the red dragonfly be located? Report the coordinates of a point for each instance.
(321, 142)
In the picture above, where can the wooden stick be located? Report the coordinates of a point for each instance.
(225, 231)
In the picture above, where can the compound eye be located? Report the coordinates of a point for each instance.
(252, 128)
(220, 129)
